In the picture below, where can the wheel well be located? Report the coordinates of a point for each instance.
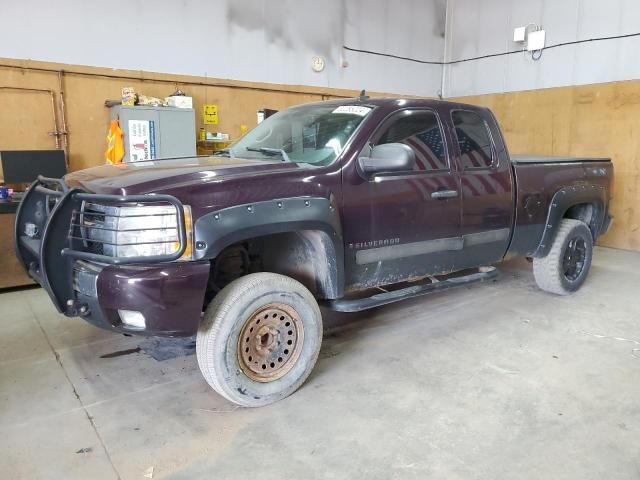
(307, 256)
(585, 212)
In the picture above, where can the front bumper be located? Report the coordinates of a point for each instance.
(169, 296)
(81, 283)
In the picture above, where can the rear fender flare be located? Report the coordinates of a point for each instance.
(562, 201)
(219, 229)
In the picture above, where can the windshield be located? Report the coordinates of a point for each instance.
(314, 134)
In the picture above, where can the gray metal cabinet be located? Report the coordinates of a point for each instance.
(156, 132)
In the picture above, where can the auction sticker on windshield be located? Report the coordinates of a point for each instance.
(353, 109)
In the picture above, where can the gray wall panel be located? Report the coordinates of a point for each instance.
(484, 27)
(255, 40)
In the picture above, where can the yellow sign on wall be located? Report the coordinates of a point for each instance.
(210, 114)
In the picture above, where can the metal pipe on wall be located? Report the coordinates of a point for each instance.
(161, 80)
(64, 132)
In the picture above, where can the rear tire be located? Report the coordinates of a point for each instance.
(565, 268)
(259, 339)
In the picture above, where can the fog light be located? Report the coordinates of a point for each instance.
(132, 319)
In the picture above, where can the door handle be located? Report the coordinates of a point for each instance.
(441, 194)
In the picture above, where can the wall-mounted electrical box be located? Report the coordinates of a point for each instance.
(535, 40)
(519, 34)
(156, 132)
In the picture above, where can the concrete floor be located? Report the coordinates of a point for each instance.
(497, 380)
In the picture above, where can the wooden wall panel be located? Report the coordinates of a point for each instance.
(88, 117)
(26, 117)
(598, 120)
(585, 120)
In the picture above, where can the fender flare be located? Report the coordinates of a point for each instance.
(219, 229)
(566, 198)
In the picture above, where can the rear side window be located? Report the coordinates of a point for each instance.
(419, 130)
(474, 140)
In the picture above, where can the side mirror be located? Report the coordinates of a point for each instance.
(389, 157)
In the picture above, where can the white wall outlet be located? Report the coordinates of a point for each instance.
(535, 40)
(519, 34)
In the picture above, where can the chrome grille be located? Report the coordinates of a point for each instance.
(113, 230)
(97, 227)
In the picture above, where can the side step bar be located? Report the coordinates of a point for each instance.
(359, 304)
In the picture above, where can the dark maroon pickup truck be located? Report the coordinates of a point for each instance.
(349, 204)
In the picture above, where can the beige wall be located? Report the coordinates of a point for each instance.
(599, 120)
(27, 117)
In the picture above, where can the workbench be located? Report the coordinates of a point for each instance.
(11, 272)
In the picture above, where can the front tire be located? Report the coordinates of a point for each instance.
(259, 339)
(565, 268)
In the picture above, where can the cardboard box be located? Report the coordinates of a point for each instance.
(180, 102)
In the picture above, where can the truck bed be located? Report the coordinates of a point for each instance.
(526, 159)
(539, 178)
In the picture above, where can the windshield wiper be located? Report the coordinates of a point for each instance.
(271, 151)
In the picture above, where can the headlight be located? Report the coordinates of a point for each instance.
(136, 231)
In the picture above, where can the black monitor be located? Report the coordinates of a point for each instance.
(24, 166)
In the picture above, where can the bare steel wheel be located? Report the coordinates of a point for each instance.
(270, 342)
(259, 339)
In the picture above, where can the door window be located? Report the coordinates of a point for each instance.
(474, 140)
(420, 130)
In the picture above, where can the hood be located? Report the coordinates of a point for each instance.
(166, 174)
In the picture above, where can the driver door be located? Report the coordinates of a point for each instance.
(403, 225)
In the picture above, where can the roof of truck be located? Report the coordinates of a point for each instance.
(398, 101)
